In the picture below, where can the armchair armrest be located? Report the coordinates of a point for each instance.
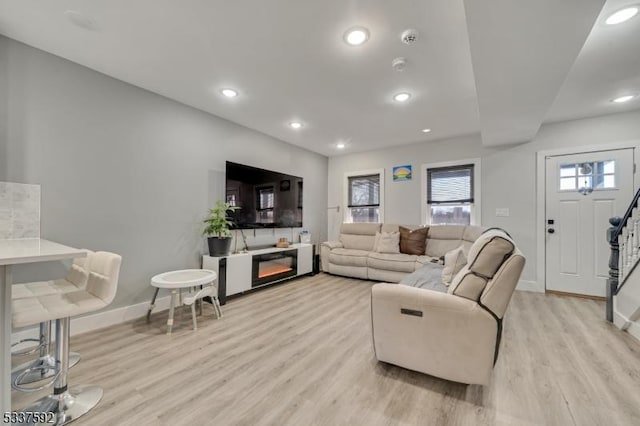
(436, 333)
(325, 248)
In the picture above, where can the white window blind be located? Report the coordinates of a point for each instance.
(364, 191)
(450, 185)
(265, 198)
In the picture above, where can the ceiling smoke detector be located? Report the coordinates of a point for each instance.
(409, 36)
(399, 64)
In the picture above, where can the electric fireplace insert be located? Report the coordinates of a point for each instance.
(272, 267)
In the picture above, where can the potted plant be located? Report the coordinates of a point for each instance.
(217, 229)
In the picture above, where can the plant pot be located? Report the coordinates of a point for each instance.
(219, 246)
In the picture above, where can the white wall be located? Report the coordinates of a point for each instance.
(4, 103)
(508, 174)
(125, 170)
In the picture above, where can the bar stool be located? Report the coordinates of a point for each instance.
(67, 405)
(76, 279)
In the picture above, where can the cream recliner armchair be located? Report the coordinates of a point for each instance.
(454, 335)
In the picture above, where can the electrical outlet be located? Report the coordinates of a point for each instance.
(502, 212)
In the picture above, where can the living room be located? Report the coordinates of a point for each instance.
(126, 117)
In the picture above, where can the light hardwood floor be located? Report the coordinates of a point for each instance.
(300, 353)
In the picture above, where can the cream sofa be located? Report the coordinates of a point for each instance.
(450, 332)
(353, 254)
(454, 334)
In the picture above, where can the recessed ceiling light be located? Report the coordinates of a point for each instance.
(295, 125)
(402, 97)
(622, 15)
(623, 99)
(340, 145)
(356, 36)
(426, 130)
(81, 20)
(229, 93)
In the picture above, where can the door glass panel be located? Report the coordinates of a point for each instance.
(567, 170)
(608, 181)
(585, 182)
(609, 166)
(568, 184)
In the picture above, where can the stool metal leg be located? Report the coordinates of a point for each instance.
(153, 304)
(67, 405)
(171, 310)
(45, 366)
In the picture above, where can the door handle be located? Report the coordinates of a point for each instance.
(551, 230)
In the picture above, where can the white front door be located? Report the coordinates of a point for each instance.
(582, 192)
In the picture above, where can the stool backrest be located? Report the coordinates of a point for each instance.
(78, 274)
(104, 271)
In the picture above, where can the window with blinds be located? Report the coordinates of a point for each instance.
(364, 198)
(450, 194)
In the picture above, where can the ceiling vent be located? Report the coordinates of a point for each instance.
(409, 36)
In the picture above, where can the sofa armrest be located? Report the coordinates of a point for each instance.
(332, 244)
(325, 248)
(436, 333)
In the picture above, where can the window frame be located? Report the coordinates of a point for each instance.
(347, 217)
(476, 206)
(593, 175)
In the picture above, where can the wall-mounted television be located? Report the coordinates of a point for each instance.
(266, 199)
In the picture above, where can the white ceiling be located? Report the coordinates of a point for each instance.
(608, 67)
(289, 62)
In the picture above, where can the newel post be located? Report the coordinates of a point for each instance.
(612, 281)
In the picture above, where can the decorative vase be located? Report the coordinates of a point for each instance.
(219, 246)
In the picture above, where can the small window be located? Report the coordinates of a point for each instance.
(364, 198)
(588, 176)
(265, 204)
(450, 194)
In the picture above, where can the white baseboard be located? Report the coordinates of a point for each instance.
(524, 285)
(100, 319)
(623, 323)
(634, 330)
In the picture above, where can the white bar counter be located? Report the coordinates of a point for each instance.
(14, 252)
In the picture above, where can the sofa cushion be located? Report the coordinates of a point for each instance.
(359, 236)
(489, 251)
(454, 260)
(360, 228)
(392, 262)
(348, 257)
(387, 242)
(413, 242)
(358, 242)
(486, 256)
(443, 238)
(389, 227)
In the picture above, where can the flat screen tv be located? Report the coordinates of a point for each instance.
(266, 199)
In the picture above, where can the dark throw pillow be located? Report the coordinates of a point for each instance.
(413, 242)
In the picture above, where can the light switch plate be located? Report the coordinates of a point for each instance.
(502, 212)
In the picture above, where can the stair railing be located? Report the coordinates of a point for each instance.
(624, 239)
